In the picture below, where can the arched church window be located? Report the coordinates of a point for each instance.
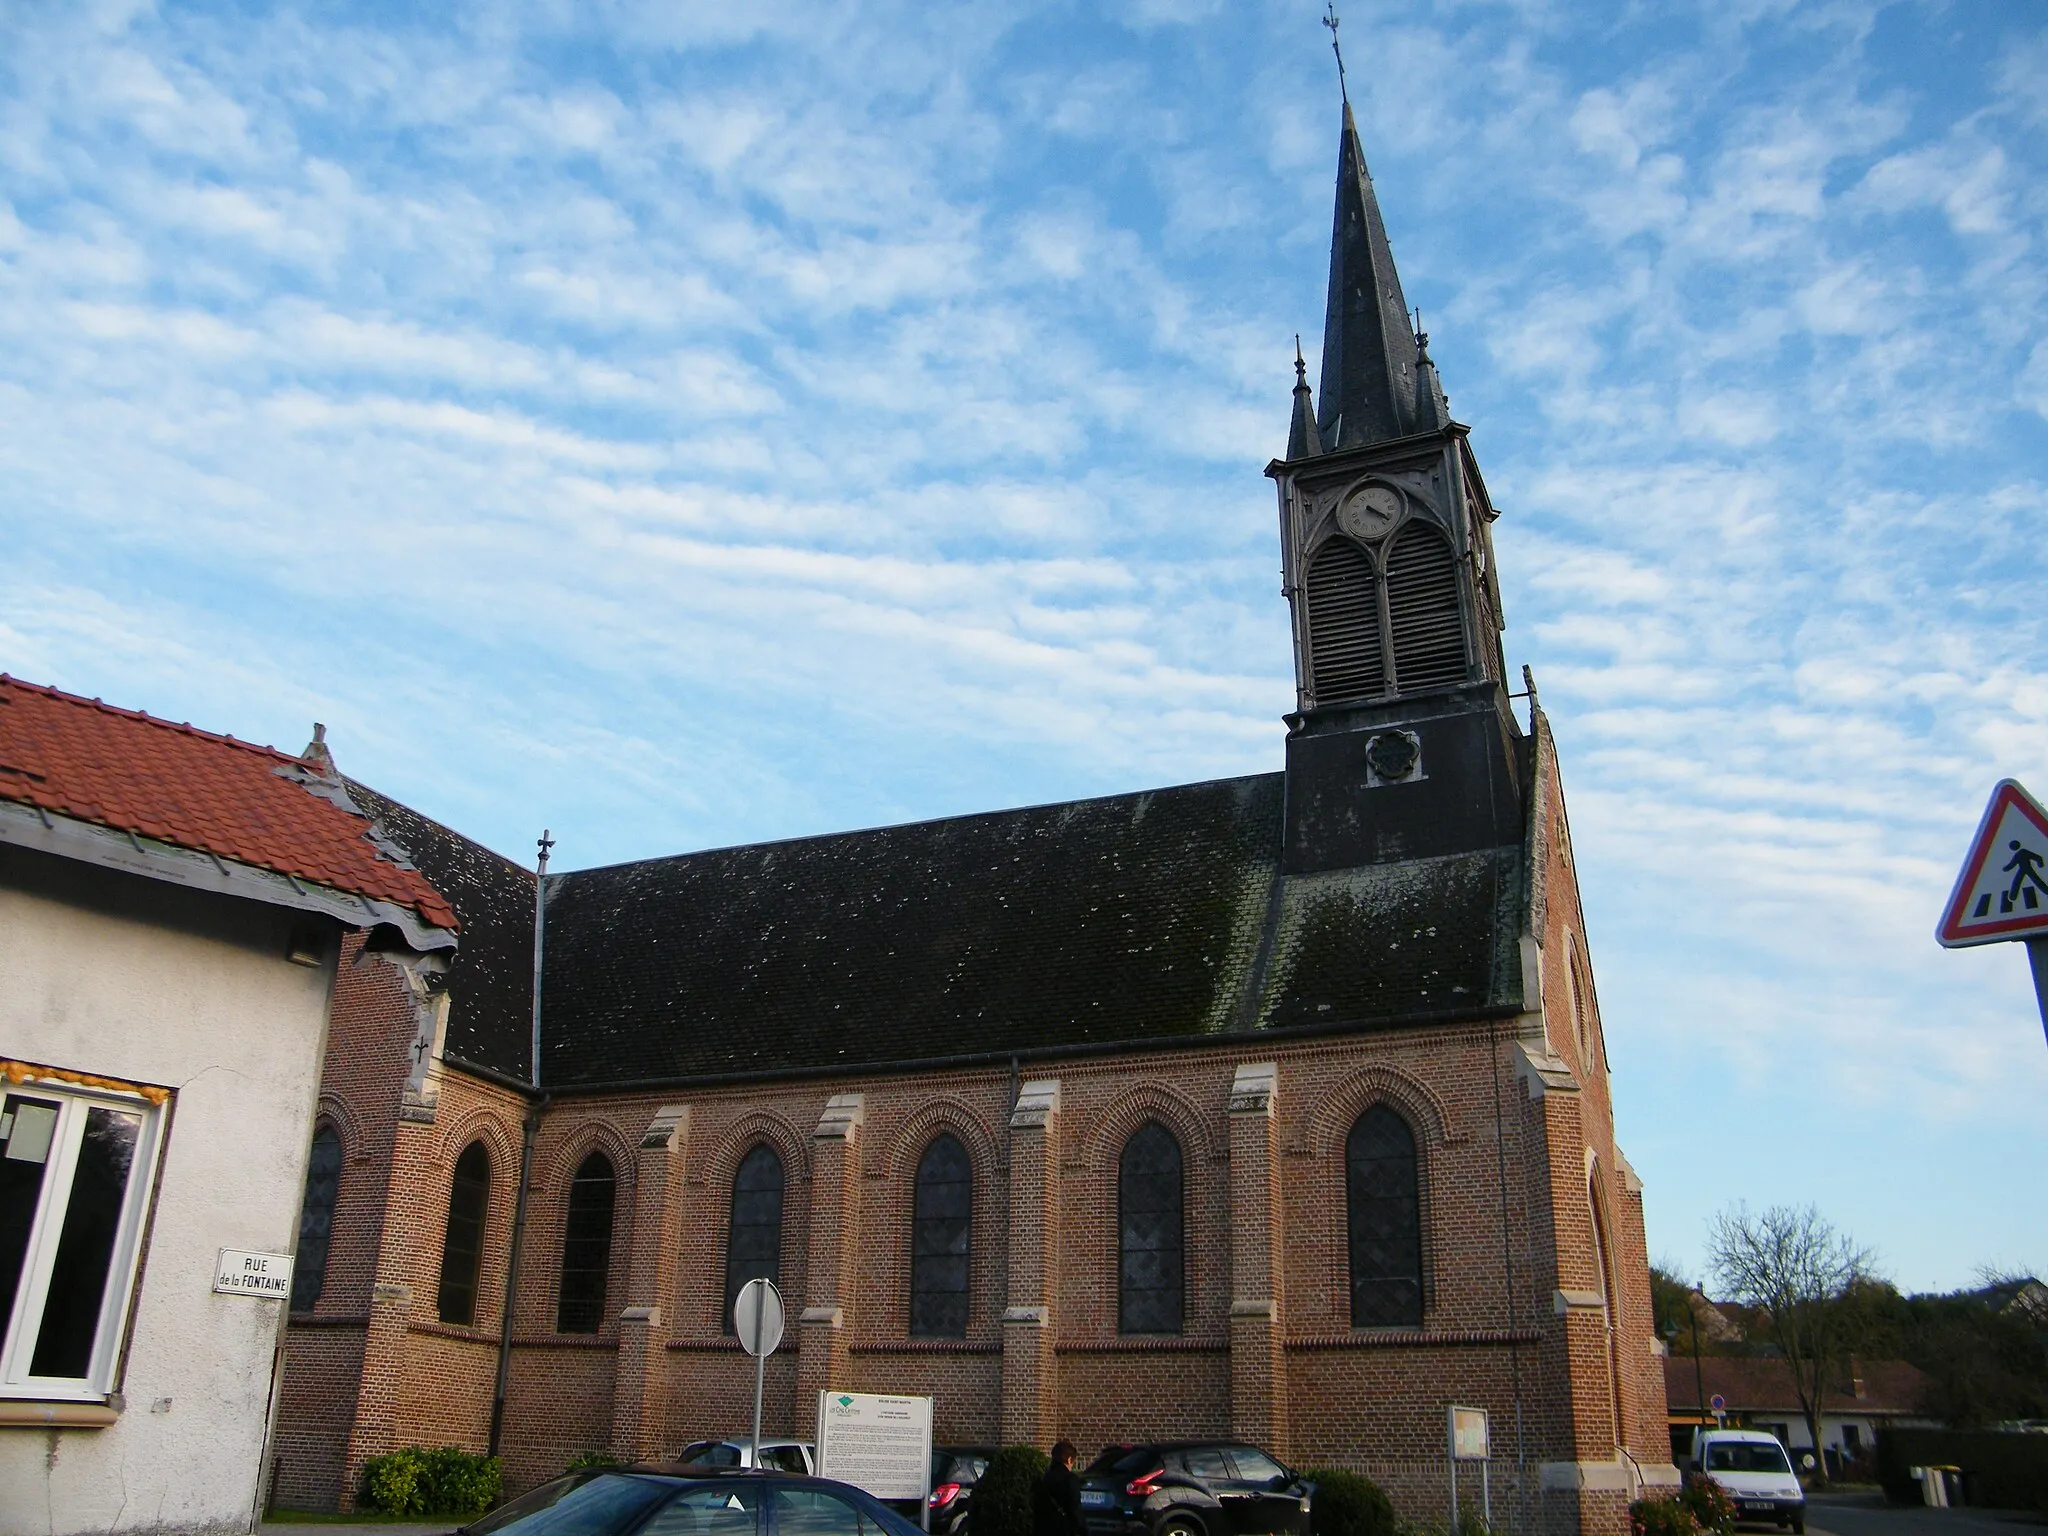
(942, 1204)
(462, 1245)
(753, 1245)
(1385, 1211)
(587, 1247)
(1422, 610)
(1346, 659)
(1149, 1232)
(316, 1218)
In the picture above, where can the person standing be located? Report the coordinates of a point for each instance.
(1056, 1504)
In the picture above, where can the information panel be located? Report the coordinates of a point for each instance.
(882, 1445)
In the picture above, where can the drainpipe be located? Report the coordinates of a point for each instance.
(530, 1130)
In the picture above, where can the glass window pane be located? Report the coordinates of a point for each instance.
(85, 1251)
(941, 1215)
(1149, 1232)
(599, 1507)
(28, 1124)
(753, 1244)
(587, 1247)
(1255, 1466)
(814, 1512)
(1385, 1214)
(721, 1509)
(462, 1243)
(1208, 1465)
(316, 1219)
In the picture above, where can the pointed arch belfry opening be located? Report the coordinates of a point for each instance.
(1424, 616)
(1346, 651)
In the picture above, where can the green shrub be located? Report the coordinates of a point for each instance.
(597, 1459)
(1662, 1516)
(1348, 1504)
(1709, 1504)
(431, 1484)
(1002, 1499)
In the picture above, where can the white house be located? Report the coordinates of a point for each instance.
(171, 904)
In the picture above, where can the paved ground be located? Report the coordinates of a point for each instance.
(1867, 1514)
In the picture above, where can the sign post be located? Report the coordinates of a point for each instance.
(2002, 893)
(1468, 1437)
(881, 1445)
(757, 1319)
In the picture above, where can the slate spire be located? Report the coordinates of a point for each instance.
(1303, 440)
(1369, 352)
(1432, 409)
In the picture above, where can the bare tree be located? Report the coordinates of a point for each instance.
(1792, 1266)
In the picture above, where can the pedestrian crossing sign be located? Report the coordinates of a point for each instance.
(2002, 892)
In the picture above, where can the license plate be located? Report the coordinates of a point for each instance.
(1753, 1507)
(1094, 1498)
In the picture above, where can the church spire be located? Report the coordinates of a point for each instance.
(1369, 352)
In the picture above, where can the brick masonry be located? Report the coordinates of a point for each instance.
(1535, 1265)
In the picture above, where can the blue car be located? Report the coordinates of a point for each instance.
(691, 1501)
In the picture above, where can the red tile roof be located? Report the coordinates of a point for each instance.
(135, 773)
(1753, 1384)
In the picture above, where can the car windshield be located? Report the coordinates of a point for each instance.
(711, 1453)
(1747, 1456)
(1128, 1460)
(576, 1505)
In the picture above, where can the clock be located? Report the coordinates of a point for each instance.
(1370, 512)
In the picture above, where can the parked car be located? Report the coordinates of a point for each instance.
(669, 1500)
(1193, 1488)
(1752, 1469)
(798, 1456)
(955, 1471)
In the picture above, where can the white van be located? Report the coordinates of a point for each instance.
(1754, 1471)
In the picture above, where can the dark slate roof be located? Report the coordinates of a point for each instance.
(490, 1010)
(1137, 919)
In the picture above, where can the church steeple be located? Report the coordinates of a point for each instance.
(1304, 441)
(1369, 354)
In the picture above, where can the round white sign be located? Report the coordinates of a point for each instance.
(757, 1317)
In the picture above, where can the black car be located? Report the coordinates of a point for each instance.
(955, 1471)
(1193, 1488)
(691, 1501)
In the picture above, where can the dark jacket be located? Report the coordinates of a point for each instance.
(1056, 1504)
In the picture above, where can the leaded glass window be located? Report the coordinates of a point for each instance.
(1149, 1234)
(1386, 1221)
(753, 1246)
(462, 1245)
(316, 1219)
(942, 1207)
(586, 1247)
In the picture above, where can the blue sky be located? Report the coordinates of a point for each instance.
(683, 425)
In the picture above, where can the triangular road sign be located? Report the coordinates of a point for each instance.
(2002, 892)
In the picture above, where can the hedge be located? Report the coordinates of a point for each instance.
(1348, 1504)
(431, 1483)
(1002, 1498)
(2001, 1470)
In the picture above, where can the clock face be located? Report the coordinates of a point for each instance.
(1371, 512)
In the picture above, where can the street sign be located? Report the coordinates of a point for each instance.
(880, 1444)
(1718, 1403)
(757, 1317)
(2002, 892)
(253, 1274)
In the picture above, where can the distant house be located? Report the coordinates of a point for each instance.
(1758, 1394)
(172, 905)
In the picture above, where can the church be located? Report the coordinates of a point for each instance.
(1273, 1108)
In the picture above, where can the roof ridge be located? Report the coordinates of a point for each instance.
(184, 728)
(904, 826)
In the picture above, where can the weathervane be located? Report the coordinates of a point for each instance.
(1330, 20)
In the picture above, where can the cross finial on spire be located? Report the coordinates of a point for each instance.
(1300, 367)
(1330, 20)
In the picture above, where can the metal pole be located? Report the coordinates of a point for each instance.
(1699, 1386)
(2037, 954)
(1486, 1491)
(760, 1369)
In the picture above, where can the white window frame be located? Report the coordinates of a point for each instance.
(47, 1227)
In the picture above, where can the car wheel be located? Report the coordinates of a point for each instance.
(1799, 1525)
(1178, 1524)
